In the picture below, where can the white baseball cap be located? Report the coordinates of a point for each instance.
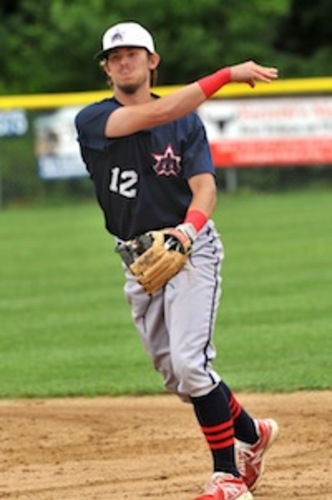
(126, 35)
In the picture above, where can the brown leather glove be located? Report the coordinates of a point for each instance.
(156, 256)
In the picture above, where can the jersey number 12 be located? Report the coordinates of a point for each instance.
(123, 182)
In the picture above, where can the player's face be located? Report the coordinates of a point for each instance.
(129, 68)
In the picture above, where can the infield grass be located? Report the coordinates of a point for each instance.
(65, 328)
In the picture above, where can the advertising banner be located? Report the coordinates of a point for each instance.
(269, 131)
(13, 123)
(260, 132)
(57, 149)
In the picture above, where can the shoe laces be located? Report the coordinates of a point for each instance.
(220, 480)
(247, 454)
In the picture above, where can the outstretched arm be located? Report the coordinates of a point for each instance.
(130, 119)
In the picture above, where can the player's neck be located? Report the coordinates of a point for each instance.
(140, 96)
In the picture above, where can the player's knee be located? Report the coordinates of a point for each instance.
(188, 374)
(163, 365)
(171, 383)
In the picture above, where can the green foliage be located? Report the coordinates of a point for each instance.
(66, 328)
(44, 43)
(305, 30)
(303, 39)
(49, 46)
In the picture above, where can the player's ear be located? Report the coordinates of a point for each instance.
(104, 66)
(154, 60)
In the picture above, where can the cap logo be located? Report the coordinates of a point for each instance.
(117, 37)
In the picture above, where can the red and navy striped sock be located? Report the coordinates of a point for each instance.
(214, 416)
(244, 427)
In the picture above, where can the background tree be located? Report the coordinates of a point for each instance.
(49, 46)
(304, 38)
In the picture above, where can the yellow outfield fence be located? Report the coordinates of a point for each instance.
(287, 123)
(316, 86)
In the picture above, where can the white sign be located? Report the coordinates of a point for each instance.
(13, 123)
(244, 132)
(269, 131)
(57, 148)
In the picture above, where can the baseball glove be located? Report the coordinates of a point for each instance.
(156, 256)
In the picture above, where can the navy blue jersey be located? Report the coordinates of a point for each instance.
(141, 179)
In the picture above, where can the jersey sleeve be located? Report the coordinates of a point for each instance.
(90, 124)
(197, 157)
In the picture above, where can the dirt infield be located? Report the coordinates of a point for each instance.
(150, 447)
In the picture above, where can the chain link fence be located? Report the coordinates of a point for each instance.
(23, 175)
(40, 162)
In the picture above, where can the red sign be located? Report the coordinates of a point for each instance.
(273, 152)
(269, 131)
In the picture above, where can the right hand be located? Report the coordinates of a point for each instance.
(182, 237)
(250, 72)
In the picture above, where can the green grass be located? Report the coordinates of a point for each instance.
(65, 328)
(275, 322)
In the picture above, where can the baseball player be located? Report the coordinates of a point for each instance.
(149, 160)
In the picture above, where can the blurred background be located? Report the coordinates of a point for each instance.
(47, 48)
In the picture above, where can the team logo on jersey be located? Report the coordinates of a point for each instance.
(167, 163)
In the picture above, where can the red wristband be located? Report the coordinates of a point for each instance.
(210, 84)
(196, 218)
